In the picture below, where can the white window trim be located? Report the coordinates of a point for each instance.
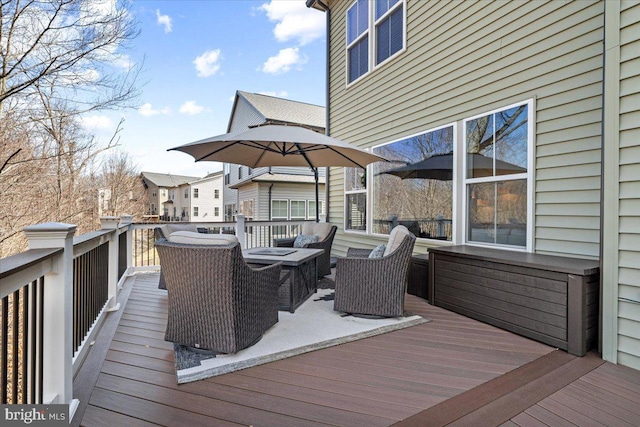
(312, 214)
(372, 46)
(529, 176)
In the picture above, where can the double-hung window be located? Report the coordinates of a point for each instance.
(279, 209)
(497, 149)
(355, 194)
(298, 209)
(374, 34)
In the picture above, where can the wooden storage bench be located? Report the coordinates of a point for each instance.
(554, 300)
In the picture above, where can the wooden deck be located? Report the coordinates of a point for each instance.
(450, 371)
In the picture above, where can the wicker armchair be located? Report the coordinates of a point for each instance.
(375, 286)
(216, 301)
(324, 261)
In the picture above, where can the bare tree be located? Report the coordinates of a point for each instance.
(59, 59)
(120, 188)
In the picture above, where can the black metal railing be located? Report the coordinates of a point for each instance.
(122, 254)
(21, 326)
(90, 290)
(144, 252)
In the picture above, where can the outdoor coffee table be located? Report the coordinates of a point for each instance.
(301, 272)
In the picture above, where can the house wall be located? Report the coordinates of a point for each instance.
(285, 191)
(621, 207)
(467, 58)
(206, 201)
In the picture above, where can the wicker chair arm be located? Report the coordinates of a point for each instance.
(286, 242)
(358, 252)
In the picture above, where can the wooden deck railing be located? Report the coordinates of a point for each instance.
(56, 295)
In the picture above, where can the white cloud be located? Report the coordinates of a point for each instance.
(164, 20)
(295, 21)
(147, 110)
(208, 64)
(123, 61)
(97, 122)
(283, 62)
(191, 108)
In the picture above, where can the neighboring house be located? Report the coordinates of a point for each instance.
(206, 198)
(277, 192)
(550, 88)
(168, 195)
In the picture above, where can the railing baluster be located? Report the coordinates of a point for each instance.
(15, 311)
(5, 348)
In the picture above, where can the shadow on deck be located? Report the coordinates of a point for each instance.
(450, 371)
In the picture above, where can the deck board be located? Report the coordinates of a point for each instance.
(378, 381)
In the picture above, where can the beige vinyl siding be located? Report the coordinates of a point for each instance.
(467, 58)
(629, 188)
(281, 191)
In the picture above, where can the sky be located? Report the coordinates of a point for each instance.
(195, 55)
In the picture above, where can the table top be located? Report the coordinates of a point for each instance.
(295, 257)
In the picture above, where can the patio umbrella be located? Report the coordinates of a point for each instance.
(440, 167)
(278, 145)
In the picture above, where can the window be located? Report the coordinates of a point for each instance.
(154, 194)
(216, 211)
(195, 193)
(355, 194)
(385, 22)
(186, 193)
(226, 173)
(216, 194)
(358, 39)
(229, 210)
(497, 149)
(416, 188)
(239, 172)
(195, 211)
(311, 212)
(389, 27)
(246, 208)
(279, 209)
(298, 209)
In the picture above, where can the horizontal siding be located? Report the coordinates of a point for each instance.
(466, 58)
(629, 175)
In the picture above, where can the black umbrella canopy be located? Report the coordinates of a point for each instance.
(440, 167)
(278, 145)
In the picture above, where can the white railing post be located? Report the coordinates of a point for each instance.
(57, 370)
(111, 223)
(127, 220)
(323, 217)
(240, 229)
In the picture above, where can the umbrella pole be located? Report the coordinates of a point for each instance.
(315, 175)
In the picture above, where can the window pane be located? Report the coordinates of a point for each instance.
(498, 212)
(511, 208)
(357, 20)
(482, 212)
(356, 211)
(354, 179)
(383, 31)
(359, 59)
(480, 147)
(389, 35)
(279, 209)
(383, 6)
(416, 190)
(511, 140)
(363, 16)
(352, 24)
(298, 209)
